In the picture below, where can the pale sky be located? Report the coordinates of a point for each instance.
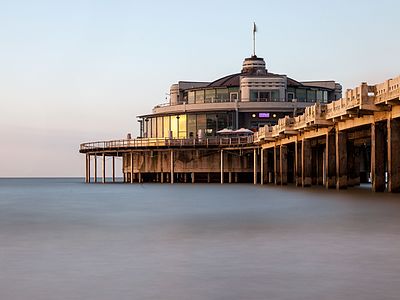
(76, 71)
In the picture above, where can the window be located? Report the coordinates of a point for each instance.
(153, 127)
(319, 96)
(182, 127)
(222, 95)
(166, 126)
(191, 98)
(234, 96)
(210, 95)
(253, 96)
(275, 96)
(263, 96)
(200, 96)
(311, 96)
(191, 126)
(160, 127)
(201, 123)
(301, 95)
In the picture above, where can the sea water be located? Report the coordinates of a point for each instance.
(63, 239)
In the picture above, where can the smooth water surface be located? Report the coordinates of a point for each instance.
(63, 239)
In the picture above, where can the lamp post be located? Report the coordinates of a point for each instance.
(177, 126)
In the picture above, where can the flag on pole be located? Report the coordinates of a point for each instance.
(254, 27)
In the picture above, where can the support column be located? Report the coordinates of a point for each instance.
(87, 174)
(377, 157)
(330, 161)
(341, 160)
(222, 166)
(95, 168)
(131, 167)
(262, 166)
(297, 163)
(393, 129)
(172, 166)
(255, 166)
(193, 177)
(277, 176)
(283, 164)
(230, 177)
(104, 169)
(113, 168)
(306, 163)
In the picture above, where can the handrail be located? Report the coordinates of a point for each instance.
(161, 142)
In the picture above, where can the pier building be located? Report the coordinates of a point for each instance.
(340, 144)
(250, 99)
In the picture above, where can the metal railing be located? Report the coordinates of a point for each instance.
(161, 142)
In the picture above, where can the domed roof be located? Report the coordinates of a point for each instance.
(227, 81)
(233, 80)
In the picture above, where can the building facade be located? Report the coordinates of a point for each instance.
(250, 99)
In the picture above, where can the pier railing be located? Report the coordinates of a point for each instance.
(161, 142)
(363, 99)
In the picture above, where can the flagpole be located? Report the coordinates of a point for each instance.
(254, 38)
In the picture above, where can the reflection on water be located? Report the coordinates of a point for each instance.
(62, 239)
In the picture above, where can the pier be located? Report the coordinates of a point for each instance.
(340, 144)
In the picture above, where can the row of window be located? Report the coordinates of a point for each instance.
(261, 95)
(211, 95)
(187, 126)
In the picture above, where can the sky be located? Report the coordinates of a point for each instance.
(78, 71)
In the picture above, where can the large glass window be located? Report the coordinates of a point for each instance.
(222, 121)
(200, 96)
(211, 125)
(182, 127)
(174, 126)
(301, 95)
(319, 96)
(166, 126)
(191, 126)
(160, 127)
(153, 127)
(222, 95)
(325, 96)
(254, 96)
(210, 96)
(311, 97)
(263, 96)
(191, 98)
(201, 123)
(275, 96)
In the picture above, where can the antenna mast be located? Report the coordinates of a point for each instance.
(254, 38)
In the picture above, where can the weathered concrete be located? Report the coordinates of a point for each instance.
(298, 163)
(393, 146)
(378, 157)
(283, 167)
(330, 160)
(341, 160)
(277, 176)
(306, 163)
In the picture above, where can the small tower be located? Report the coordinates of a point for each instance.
(254, 65)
